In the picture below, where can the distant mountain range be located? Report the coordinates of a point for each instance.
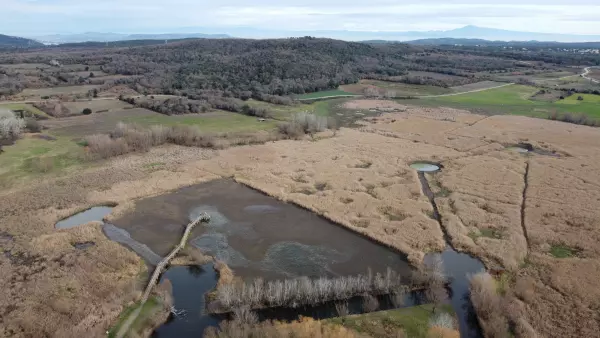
(13, 41)
(109, 37)
(496, 43)
(467, 32)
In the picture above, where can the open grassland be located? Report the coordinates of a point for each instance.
(534, 217)
(97, 106)
(323, 94)
(515, 99)
(32, 157)
(216, 121)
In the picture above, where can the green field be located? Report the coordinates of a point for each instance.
(413, 321)
(216, 122)
(151, 307)
(30, 157)
(515, 100)
(327, 93)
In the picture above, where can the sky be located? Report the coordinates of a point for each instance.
(40, 17)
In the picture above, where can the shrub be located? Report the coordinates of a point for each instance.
(369, 303)
(305, 123)
(10, 126)
(574, 118)
(104, 146)
(86, 111)
(33, 125)
(442, 319)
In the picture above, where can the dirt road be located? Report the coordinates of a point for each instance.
(469, 91)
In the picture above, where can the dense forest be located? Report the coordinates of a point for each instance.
(263, 69)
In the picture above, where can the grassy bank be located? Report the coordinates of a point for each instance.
(414, 322)
(150, 310)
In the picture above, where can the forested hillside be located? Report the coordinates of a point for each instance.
(264, 69)
(7, 41)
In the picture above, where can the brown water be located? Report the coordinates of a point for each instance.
(256, 235)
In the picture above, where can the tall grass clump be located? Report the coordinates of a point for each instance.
(11, 127)
(489, 305)
(304, 123)
(127, 138)
(580, 118)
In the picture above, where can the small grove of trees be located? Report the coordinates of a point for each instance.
(304, 123)
(305, 291)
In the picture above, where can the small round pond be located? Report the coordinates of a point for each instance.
(425, 166)
(518, 149)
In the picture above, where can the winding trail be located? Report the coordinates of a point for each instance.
(204, 217)
(585, 75)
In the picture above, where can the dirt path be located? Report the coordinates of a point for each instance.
(467, 92)
(329, 97)
(585, 75)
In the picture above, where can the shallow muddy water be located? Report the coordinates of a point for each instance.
(89, 215)
(256, 235)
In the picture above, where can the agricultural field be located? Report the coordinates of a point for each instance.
(38, 94)
(515, 99)
(97, 106)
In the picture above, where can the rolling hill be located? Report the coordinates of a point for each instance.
(7, 41)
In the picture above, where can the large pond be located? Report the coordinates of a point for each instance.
(256, 235)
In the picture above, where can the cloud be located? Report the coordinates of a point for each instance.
(21, 17)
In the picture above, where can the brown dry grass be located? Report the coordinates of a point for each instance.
(304, 328)
(367, 179)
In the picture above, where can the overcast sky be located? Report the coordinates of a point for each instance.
(35, 17)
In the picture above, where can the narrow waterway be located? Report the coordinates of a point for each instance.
(190, 284)
(458, 267)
